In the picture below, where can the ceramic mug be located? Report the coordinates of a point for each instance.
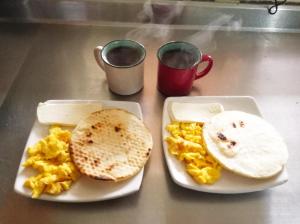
(123, 63)
(178, 67)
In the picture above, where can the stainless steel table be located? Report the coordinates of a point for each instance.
(40, 62)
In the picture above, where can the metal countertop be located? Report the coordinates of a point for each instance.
(40, 62)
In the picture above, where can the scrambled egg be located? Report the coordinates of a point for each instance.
(186, 144)
(51, 158)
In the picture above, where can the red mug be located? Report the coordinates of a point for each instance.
(177, 68)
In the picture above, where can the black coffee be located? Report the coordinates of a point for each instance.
(123, 56)
(178, 58)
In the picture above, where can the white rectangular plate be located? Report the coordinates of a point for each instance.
(229, 182)
(84, 189)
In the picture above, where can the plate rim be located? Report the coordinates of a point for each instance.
(198, 188)
(54, 198)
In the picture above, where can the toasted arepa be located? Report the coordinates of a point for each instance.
(245, 144)
(111, 144)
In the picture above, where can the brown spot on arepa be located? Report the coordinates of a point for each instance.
(148, 153)
(233, 143)
(109, 168)
(221, 136)
(117, 129)
(242, 124)
(98, 125)
(96, 162)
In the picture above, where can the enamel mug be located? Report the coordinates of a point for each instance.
(123, 63)
(178, 63)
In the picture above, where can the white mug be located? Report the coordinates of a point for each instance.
(123, 63)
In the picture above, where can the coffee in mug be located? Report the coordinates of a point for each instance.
(178, 58)
(123, 56)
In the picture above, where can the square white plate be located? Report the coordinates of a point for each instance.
(229, 182)
(84, 189)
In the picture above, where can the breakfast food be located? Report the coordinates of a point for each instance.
(193, 112)
(67, 114)
(111, 144)
(187, 145)
(51, 158)
(245, 144)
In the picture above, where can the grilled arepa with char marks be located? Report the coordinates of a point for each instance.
(111, 144)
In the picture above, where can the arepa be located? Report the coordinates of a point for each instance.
(245, 144)
(111, 144)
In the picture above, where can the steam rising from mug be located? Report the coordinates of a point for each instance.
(205, 39)
(159, 17)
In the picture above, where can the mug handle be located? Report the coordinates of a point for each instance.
(205, 71)
(97, 53)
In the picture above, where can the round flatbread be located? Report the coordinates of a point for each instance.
(111, 144)
(245, 144)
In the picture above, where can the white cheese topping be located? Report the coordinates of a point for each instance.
(64, 114)
(194, 112)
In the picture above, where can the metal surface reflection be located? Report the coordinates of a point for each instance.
(41, 62)
(55, 61)
(133, 13)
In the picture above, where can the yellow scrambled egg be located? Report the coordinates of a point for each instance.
(187, 145)
(51, 158)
